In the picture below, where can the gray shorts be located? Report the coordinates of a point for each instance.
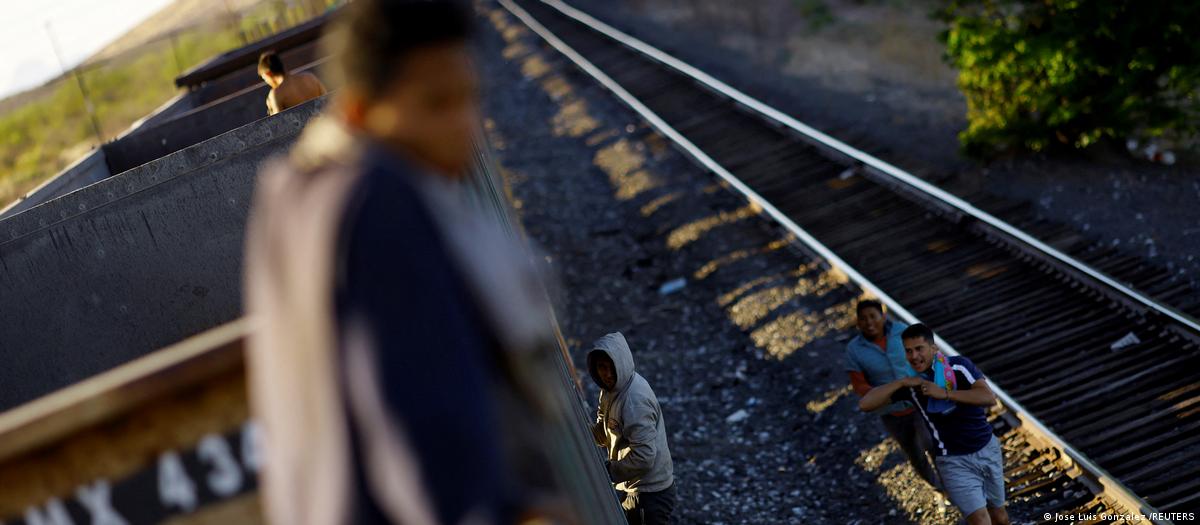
(973, 481)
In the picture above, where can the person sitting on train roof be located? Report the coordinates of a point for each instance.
(952, 396)
(629, 423)
(287, 90)
(392, 322)
(875, 357)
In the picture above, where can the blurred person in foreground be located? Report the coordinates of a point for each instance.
(287, 89)
(388, 315)
(629, 424)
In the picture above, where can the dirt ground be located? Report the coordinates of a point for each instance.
(870, 73)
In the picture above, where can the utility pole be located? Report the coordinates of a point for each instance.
(235, 21)
(87, 100)
(175, 51)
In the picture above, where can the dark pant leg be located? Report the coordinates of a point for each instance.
(650, 508)
(658, 508)
(629, 504)
(914, 440)
(633, 516)
(926, 448)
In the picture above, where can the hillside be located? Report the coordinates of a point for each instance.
(179, 14)
(44, 129)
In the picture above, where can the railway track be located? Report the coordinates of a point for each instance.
(1096, 372)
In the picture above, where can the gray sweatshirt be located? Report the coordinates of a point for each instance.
(630, 424)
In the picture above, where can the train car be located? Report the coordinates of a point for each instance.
(125, 396)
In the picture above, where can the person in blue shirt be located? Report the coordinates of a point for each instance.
(952, 397)
(394, 323)
(876, 357)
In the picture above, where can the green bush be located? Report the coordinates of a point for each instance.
(816, 12)
(1040, 74)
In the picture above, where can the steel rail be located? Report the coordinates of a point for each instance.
(1112, 486)
(867, 159)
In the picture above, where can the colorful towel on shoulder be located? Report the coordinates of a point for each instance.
(943, 376)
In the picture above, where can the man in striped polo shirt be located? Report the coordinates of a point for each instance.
(952, 397)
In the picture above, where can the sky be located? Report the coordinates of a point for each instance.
(81, 27)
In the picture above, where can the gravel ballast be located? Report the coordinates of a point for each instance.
(740, 333)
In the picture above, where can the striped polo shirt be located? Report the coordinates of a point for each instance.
(965, 428)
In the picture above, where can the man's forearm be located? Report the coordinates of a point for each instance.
(633, 466)
(973, 396)
(878, 396)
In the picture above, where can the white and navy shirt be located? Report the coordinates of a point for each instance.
(965, 428)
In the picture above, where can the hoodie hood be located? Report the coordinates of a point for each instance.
(614, 346)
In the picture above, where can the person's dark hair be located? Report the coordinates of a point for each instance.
(868, 303)
(917, 331)
(371, 38)
(270, 61)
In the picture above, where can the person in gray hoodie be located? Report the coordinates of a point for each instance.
(629, 423)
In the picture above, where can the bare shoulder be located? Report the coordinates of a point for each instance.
(310, 79)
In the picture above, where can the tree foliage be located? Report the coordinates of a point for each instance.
(1039, 74)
